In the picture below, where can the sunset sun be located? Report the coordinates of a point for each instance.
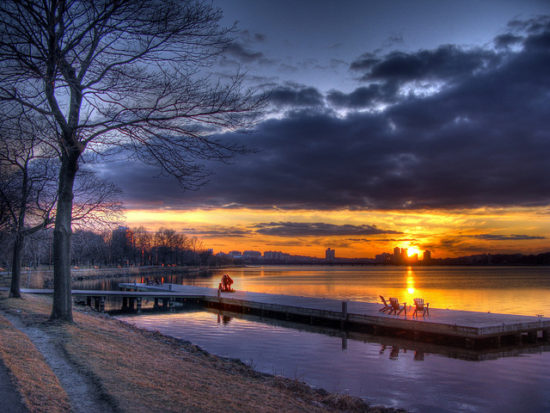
(413, 251)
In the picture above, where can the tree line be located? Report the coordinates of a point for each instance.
(120, 247)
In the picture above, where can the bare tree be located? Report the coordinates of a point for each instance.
(169, 245)
(119, 73)
(28, 190)
(196, 245)
(27, 187)
(142, 244)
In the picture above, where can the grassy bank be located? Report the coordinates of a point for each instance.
(138, 370)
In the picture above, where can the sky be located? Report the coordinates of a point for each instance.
(389, 123)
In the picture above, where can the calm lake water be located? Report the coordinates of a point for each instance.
(383, 370)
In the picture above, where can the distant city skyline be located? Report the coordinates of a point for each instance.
(399, 256)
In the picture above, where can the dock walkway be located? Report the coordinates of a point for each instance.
(466, 326)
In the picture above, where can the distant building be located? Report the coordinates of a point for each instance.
(330, 254)
(384, 258)
(235, 254)
(252, 254)
(276, 256)
(427, 256)
(399, 255)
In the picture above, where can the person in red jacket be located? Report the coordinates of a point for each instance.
(225, 285)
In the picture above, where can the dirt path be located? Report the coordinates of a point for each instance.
(83, 393)
(8, 395)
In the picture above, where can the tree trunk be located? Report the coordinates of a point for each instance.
(16, 266)
(62, 298)
(15, 290)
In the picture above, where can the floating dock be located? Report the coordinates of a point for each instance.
(445, 327)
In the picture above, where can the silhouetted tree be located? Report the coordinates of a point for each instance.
(143, 245)
(28, 186)
(118, 73)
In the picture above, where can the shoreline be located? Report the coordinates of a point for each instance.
(101, 344)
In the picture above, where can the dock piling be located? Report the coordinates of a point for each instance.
(344, 314)
(344, 343)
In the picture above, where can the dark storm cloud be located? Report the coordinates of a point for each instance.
(513, 237)
(248, 37)
(447, 62)
(260, 37)
(507, 40)
(364, 62)
(295, 96)
(293, 229)
(539, 42)
(363, 96)
(483, 141)
(534, 25)
(241, 53)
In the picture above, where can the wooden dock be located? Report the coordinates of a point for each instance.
(466, 328)
(446, 327)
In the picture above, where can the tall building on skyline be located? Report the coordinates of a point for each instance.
(330, 254)
(399, 255)
(427, 256)
(397, 252)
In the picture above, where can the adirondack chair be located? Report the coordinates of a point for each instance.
(386, 307)
(396, 308)
(421, 307)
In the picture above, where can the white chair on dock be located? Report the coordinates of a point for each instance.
(421, 307)
(396, 308)
(386, 307)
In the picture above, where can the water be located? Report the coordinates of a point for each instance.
(383, 370)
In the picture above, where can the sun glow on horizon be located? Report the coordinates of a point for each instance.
(446, 233)
(411, 251)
